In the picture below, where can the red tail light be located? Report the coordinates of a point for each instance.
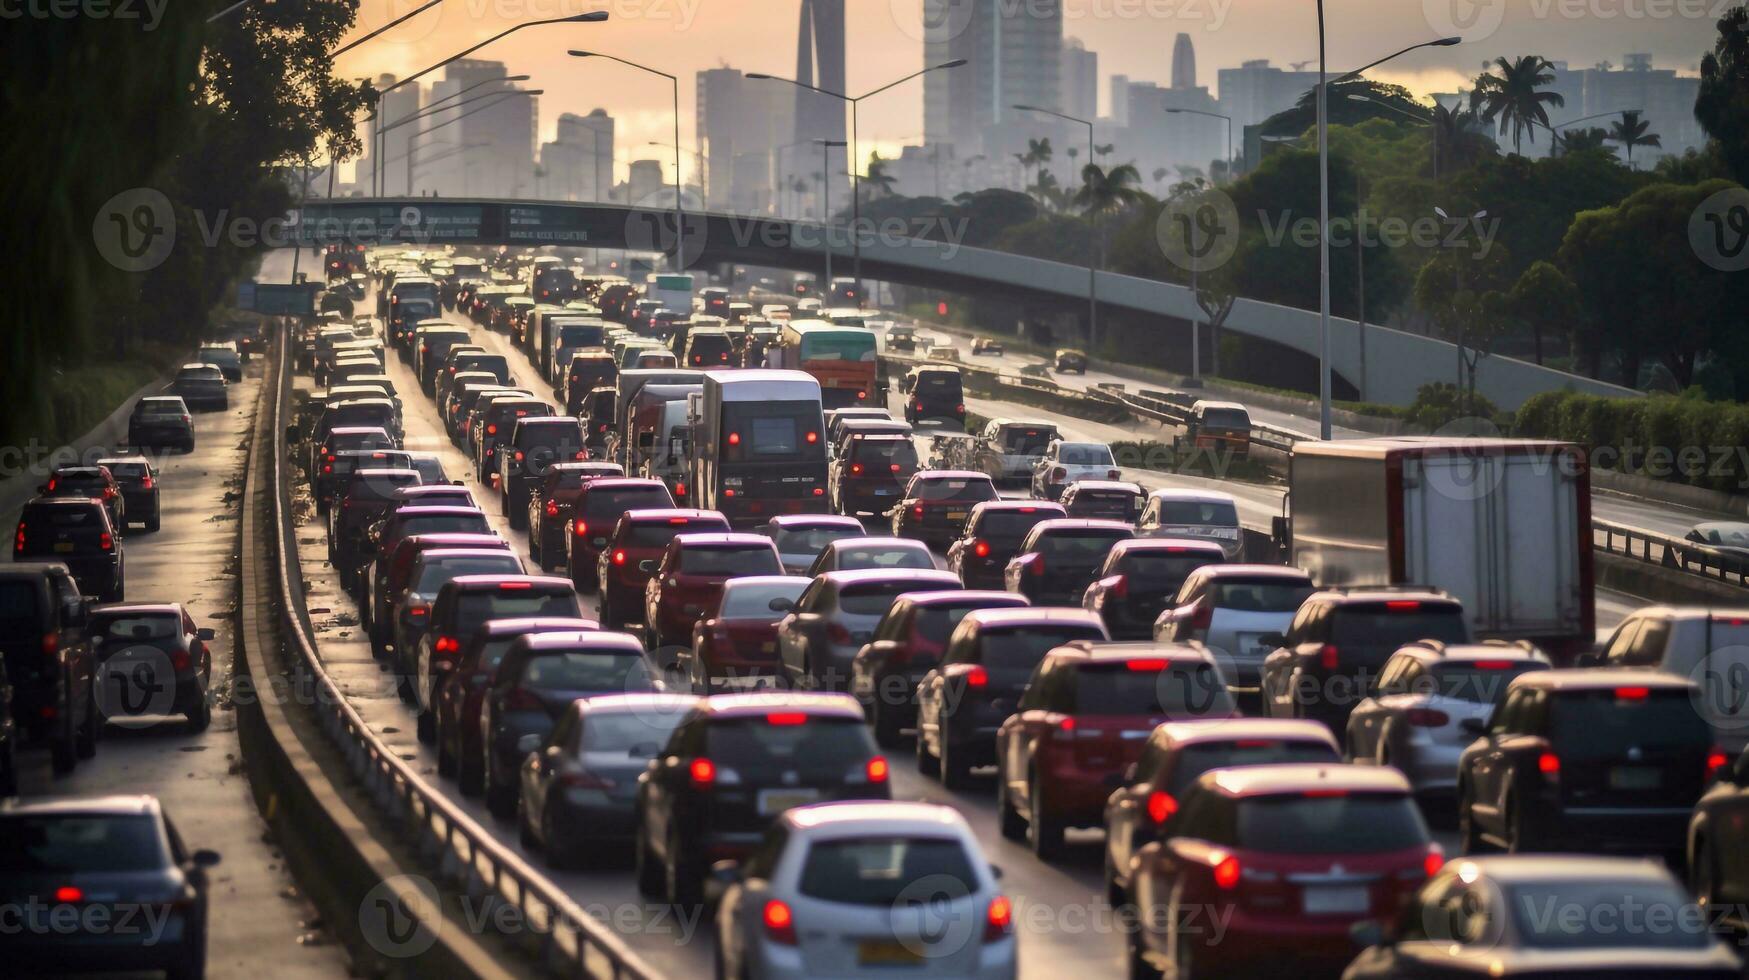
(895, 467)
(1426, 717)
(514, 586)
(1632, 693)
(108, 493)
(1058, 473)
(679, 489)
(819, 491)
(1202, 617)
(919, 406)
(619, 558)
(1161, 806)
(52, 484)
(1328, 658)
(981, 548)
(106, 541)
(51, 644)
(1037, 566)
(68, 893)
(780, 923)
(417, 611)
(703, 772)
(1112, 474)
(1148, 665)
(1715, 760)
(552, 508)
(179, 659)
(1403, 605)
(961, 409)
(977, 677)
(580, 527)
(1227, 872)
(18, 539)
(861, 395)
(855, 469)
(446, 644)
(999, 920)
(1549, 764)
(491, 430)
(917, 511)
(1434, 860)
(786, 718)
(876, 770)
(1493, 665)
(734, 438)
(813, 437)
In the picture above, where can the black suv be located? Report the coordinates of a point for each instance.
(138, 480)
(159, 421)
(536, 443)
(48, 660)
(76, 532)
(1340, 639)
(733, 766)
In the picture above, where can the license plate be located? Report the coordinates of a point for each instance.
(1635, 777)
(768, 647)
(64, 547)
(600, 542)
(886, 952)
(886, 492)
(1335, 899)
(775, 801)
(956, 515)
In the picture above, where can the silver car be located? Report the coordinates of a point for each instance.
(1193, 514)
(1432, 700)
(1066, 462)
(1231, 609)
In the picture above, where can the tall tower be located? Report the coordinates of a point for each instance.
(820, 63)
(1183, 63)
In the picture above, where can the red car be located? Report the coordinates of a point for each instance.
(1084, 718)
(594, 513)
(388, 583)
(1287, 858)
(907, 642)
(634, 547)
(688, 581)
(993, 535)
(549, 508)
(739, 639)
(1141, 578)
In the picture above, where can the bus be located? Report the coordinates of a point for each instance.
(841, 359)
(759, 445)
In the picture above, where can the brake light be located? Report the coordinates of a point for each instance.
(977, 677)
(1161, 806)
(855, 469)
(446, 644)
(999, 919)
(18, 539)
(51, 643)
(734, 438)
(1493, 665)
(108, 493)
(786, 718)
(679, 489)
(418, 610)
(1425, 717)
(813, 437)
(728, 493)
(68, 893)
(491, 430)
(1324, 794)
(514, 586)
(1434, 860)
(1112, 474)
(1227, 871)
(619, 558)
(1549, 764)
(1328, 658)
(552, 508)
(1058, 473)
(780, 923)
(917, 511)
(703, 772)
(1036, 566)
(179, 659)
(819, 491)
(1715, 760)
(52, 484)
(1403, 605)
(877, 769)
(580, 527)
(919, 406)
(1632, 693)
(860, 396)
(1148, 665)
(981, 548)
(106, 541)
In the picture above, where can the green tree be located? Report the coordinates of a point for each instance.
(1631, 131)
(1580, 140)
(1544, 299)
(1722, 104)
(877, 181)
(1513, 98)
(1107, 191)
(1459, 139)
(1462, 290)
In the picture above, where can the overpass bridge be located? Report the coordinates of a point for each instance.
(1397, 363)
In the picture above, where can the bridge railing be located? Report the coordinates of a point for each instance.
(1668, 551)
(446, 836)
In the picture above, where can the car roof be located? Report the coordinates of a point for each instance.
(950, 475)
(1082, 486)
(1089, 651)
(1201, 496)
(665, 514)
(713, 539)
(931, 577)
(787, 521)
(63, 502)
(1231, 729)
(1215, 404)
(416, 509)
(1273, 780)
(1238, 571)
(1023, 506)
(876, 541)
(137, 608)
(960, 597)
(1532, 868)
(533, 624)
(595, 639)
(621, 483)
(118, 805)
(1471, 652)
(765, 581)
(486, 583)
(1385, 593)
(1067, 524)
(1033, 616)
(818, 704)
(1601, 678)
(65, 471)
(863, 818)
(639, 701)
(442, 539)
(426, 554)
(1168, 545)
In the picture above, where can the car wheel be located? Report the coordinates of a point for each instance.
(200, 715)
(191, 965)
(1007, 819)
(1043, 832)
(445, 759)
(89, 731)
(927, 763)
(500, 799)
(955, 774)
(681, 884)
(887, 731)
(649, 872)
(1140, 968)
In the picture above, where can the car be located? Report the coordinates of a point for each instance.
(1068, 359)
(367, 413)
(1193, 514)
(1060, 557)
(963, 700)
(1593, 759)
(738, 640)
(987, 345)
(462, 696)
(68, 857)
(1146, 805)
(993, 534)
(934, 393)
(1338, 642)
(393, 615)
(549, 507)
(1492, 910)
(830, 883)
(200, 386)
(588, 370)
(1139, 580)
(801, 537)
(224, 357)
(383, 541)
(497, 424)
(633, 550)
(905, 645)
(853, 428)
(1222, 428)
(463, 604)
(338, 466)
(1230, 609)
(732, 767)
(578, 791)
(137, 479)
(536, 682)
(1709, 646)
(536, 443)
(835, 419)
(594, 514)
(1082, 721)
(1111, 500)
(687, 581)
(161, 421)
(161, 653)
(368, 496)
(1063, 463)
(871, 473)
(428, 494)
(50, 663)
(1008, 448)
(94, 482)
(936, 503)
(76, 532)
(836, 616)
(850, 554)
(464, 399)
(1414, 719)
(901, 338)
(942, 352)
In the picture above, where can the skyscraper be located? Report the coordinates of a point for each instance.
(820, 63)
(396, 106)
(1080, 79)
(1183, 62)
(1014, 56)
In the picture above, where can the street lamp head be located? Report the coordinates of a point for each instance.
(1356, 97)
(955, 63)
(1446, 42)
(1441, 212)
(758, 75)
(1026, 108)
(587, 17)
(514, 78)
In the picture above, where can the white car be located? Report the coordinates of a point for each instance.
(1230, 609)
(1066, 462)
(864, 890)
(1193, 514)
(1431, 701)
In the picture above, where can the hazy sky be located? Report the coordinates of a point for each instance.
(1132, 37)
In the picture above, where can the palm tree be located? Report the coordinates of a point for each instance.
(1038, 152)
(1630, 131)
(1104, 149)
(1456, 140)
(1160, 174)
(880, 182)
(1106, 191)
(1578, 140)
(1512, 96)
(1046, 189)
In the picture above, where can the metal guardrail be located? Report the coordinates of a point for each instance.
(571, 941)
(1669, 552)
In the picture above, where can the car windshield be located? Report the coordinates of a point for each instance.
(1202, 757)
(1276, 595)
(433, 577)
(1022, 647)
(1085, 454)
(889, 556)
(738, 560)
(786, 740)
(73, 842)
(754, 601)
(1219, 513)
(811, 540)
(967, 489)
(138, 626)
(1353, 823)
(1544, 916)
(1140, 687)
(882, 871)
(593, 670)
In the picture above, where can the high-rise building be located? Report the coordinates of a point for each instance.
(480, 148)
(644, 181)
(1120, 99)
(820, 63)
(1183, 62)
(740, 123)
(1014, 56)
(1254, 91)
(397, 107)
(1080, 79)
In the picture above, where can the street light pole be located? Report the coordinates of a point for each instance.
(412, 141)
(1554, 130)
(1093, 233)
(679, 258)
(826, 205)
(1224, 118)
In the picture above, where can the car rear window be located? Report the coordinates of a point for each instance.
(1085, 455)
(477, 608)
(788, 740)
(66, 518)
(740, 560)
(445, 524)
(934, 624)
(131, 471)
(1164, 570)
(1394, 623)
(581, 335)
(1199, 758)
(878, 557)
(1354, 823)
(969, 489)
(554, 440)
(1611, 721)
(1011, 524)
(434, 575)
(138, 626)
(657, 535)
(939, 383)
(754, 601)
(163, 409)
(1219, 513)
(1479, 681)
(642, 732)
(890, 455)
(811, 540)
(1539, 914)
(1275, 595)
(1022, 647)
(1140, 687)
(874, 598)
(1081, 545)
(32, 844)
(378, 489)
(586, 670)
(19, 611)
(881, 871)
(1031, 441)
(600, 504)
(1225, 418)
(709, 349)
(1116, 504)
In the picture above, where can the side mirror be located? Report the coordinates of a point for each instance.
(456, 483)
(1590, 658)
(204, 858)
(782, 605)
(722, 875)
(1367, 933)
(205, 633)
(996, 871)
(292, 433)
(1273, 639)
(1473, 726)
(528, 743)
